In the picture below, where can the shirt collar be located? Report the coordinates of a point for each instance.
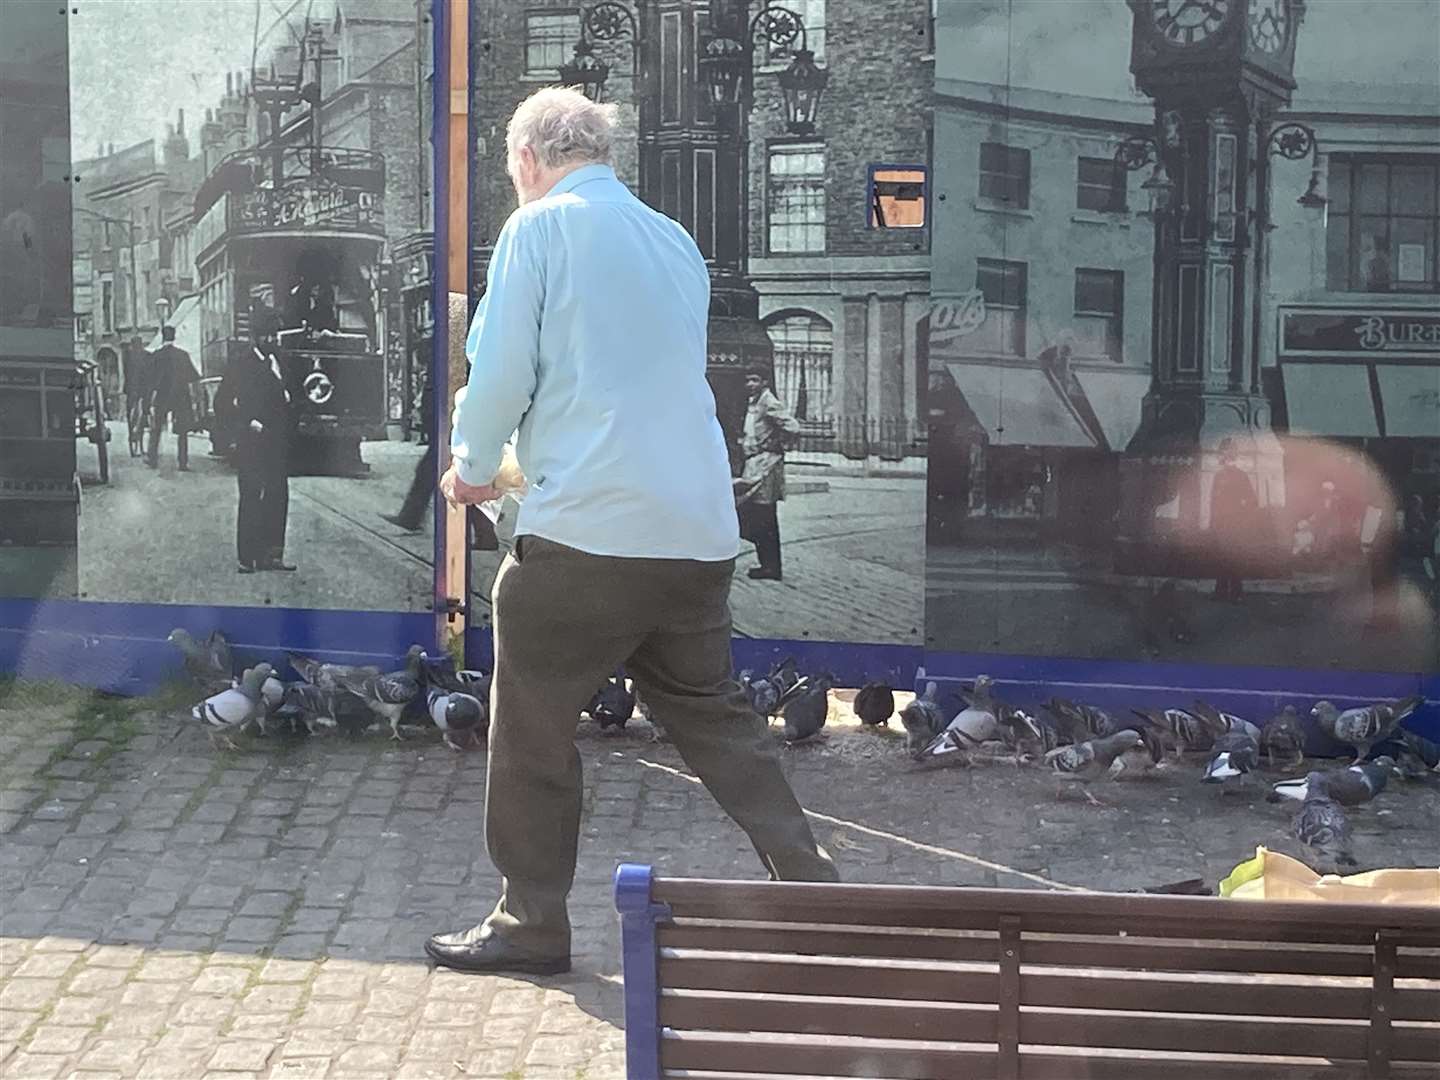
(582, 175)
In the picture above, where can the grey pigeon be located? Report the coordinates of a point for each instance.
(457, 713)
(1321, 825)
(1284, 733)
(1142, 759)
(1221, 722)
(808, 708)
(1349, 787)
(1236, 754)
(330, 677)
(1092, 759)
(1024, 735)
(947, 748)
(922, 720)
(613, 704)
(784, 675)
(308, 705)
(875, 704)
(1084, 722)
(1179, 729)
(208, 663)
(764, 695)
(388, 695)
(1364, 727)
(1418, 754)
(977, 722)
(232, 709)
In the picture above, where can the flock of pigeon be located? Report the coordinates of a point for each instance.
(332, 695)
(1078, 742)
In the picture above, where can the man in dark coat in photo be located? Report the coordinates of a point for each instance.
(173, 376)
(253, 404)
(1233, 507)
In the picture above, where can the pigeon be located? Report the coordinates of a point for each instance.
(1418, 755)
(272, 696)
(309, 705)
(1363, 728)
(1349, 787)
(439, 671)
(807, 707)
(763, 694)
(1236, 754)
(976, 723)
(209, 663)
(1082, 722)
(875, 704)
(387, 695)
(1322, 827)
(456, 712)
(1283, 732)
(1178, 728)
(657, 730)
(329, 676)
(613, 704)
(234, 707)
(1093, 758)
(784, 675)
(1024, 735)
(947, 748)
(1143, 759)
(1221, 722)
(922, 720)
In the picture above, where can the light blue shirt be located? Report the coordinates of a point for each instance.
(589, 347)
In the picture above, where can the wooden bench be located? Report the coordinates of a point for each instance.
(727, 980)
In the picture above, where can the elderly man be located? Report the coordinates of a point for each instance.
(761, 487)
(590, 342)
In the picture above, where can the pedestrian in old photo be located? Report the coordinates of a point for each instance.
(412, 514)
(626, 539)
(172, 383)
(139, 373)
(760, 488)
(1232, 514)
(255, 405)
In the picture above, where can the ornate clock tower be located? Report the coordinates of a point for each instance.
(1217, 71)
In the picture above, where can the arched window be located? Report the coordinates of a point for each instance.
(804, 351)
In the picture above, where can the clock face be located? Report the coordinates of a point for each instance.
(1270, 25)
(1188, 22)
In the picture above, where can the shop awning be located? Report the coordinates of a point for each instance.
(1410, 394)
(1116, 397)
(1330, 399)
(1019, 406)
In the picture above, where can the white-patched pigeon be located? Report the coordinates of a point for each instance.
(1236, 755)
(232, 709)
(923, 719)
(388, 695)
(457, 713)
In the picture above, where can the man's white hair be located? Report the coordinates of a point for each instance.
(562, 127)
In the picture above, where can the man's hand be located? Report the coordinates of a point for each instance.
(458, 493)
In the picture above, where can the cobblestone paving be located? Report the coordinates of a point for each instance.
(175, 912)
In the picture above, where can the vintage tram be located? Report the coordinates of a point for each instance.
(300, 232)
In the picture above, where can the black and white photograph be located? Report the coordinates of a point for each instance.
(1184, 359)
(793, 144)
(47, 405)
(251, 318)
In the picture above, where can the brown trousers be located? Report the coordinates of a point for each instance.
(563, 621)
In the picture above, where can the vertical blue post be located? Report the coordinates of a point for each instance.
(641, 958)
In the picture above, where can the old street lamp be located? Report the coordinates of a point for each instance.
(606, 22)
(1160, 187)
(586, 72)
(802, 84)
(1312, 199)
(723, 69)
(162, 309)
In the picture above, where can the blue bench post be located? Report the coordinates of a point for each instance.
(641, 958)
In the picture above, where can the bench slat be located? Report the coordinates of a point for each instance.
(1111, 952)
(940, 1022)
(940, 907)
(707, 1054)
(898, 980)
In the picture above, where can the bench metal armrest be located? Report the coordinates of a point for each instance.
(641, 957)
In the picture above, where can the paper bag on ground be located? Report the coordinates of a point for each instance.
(1273, 876)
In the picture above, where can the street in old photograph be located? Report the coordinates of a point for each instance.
(799, 162)
(253, 250)
(1184, 366)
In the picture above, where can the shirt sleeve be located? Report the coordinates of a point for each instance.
(780, 416)
(504, 353)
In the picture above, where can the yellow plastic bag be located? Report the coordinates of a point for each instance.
(1273, 876)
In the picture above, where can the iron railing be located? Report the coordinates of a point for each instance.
(890, 438)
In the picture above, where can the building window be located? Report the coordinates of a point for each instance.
(550, 39)
(107, 304)
(796, 199)
(1381, 233)
(1100, 185)
(1100, 314)
(898, 196)
(812, 16)
(804, 350)
(1005, 174)
(1003, 284)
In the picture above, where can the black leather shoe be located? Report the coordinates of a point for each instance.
(277, 564)
(245, 568)
(763, 573)
(477, 949)
(401, 523)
